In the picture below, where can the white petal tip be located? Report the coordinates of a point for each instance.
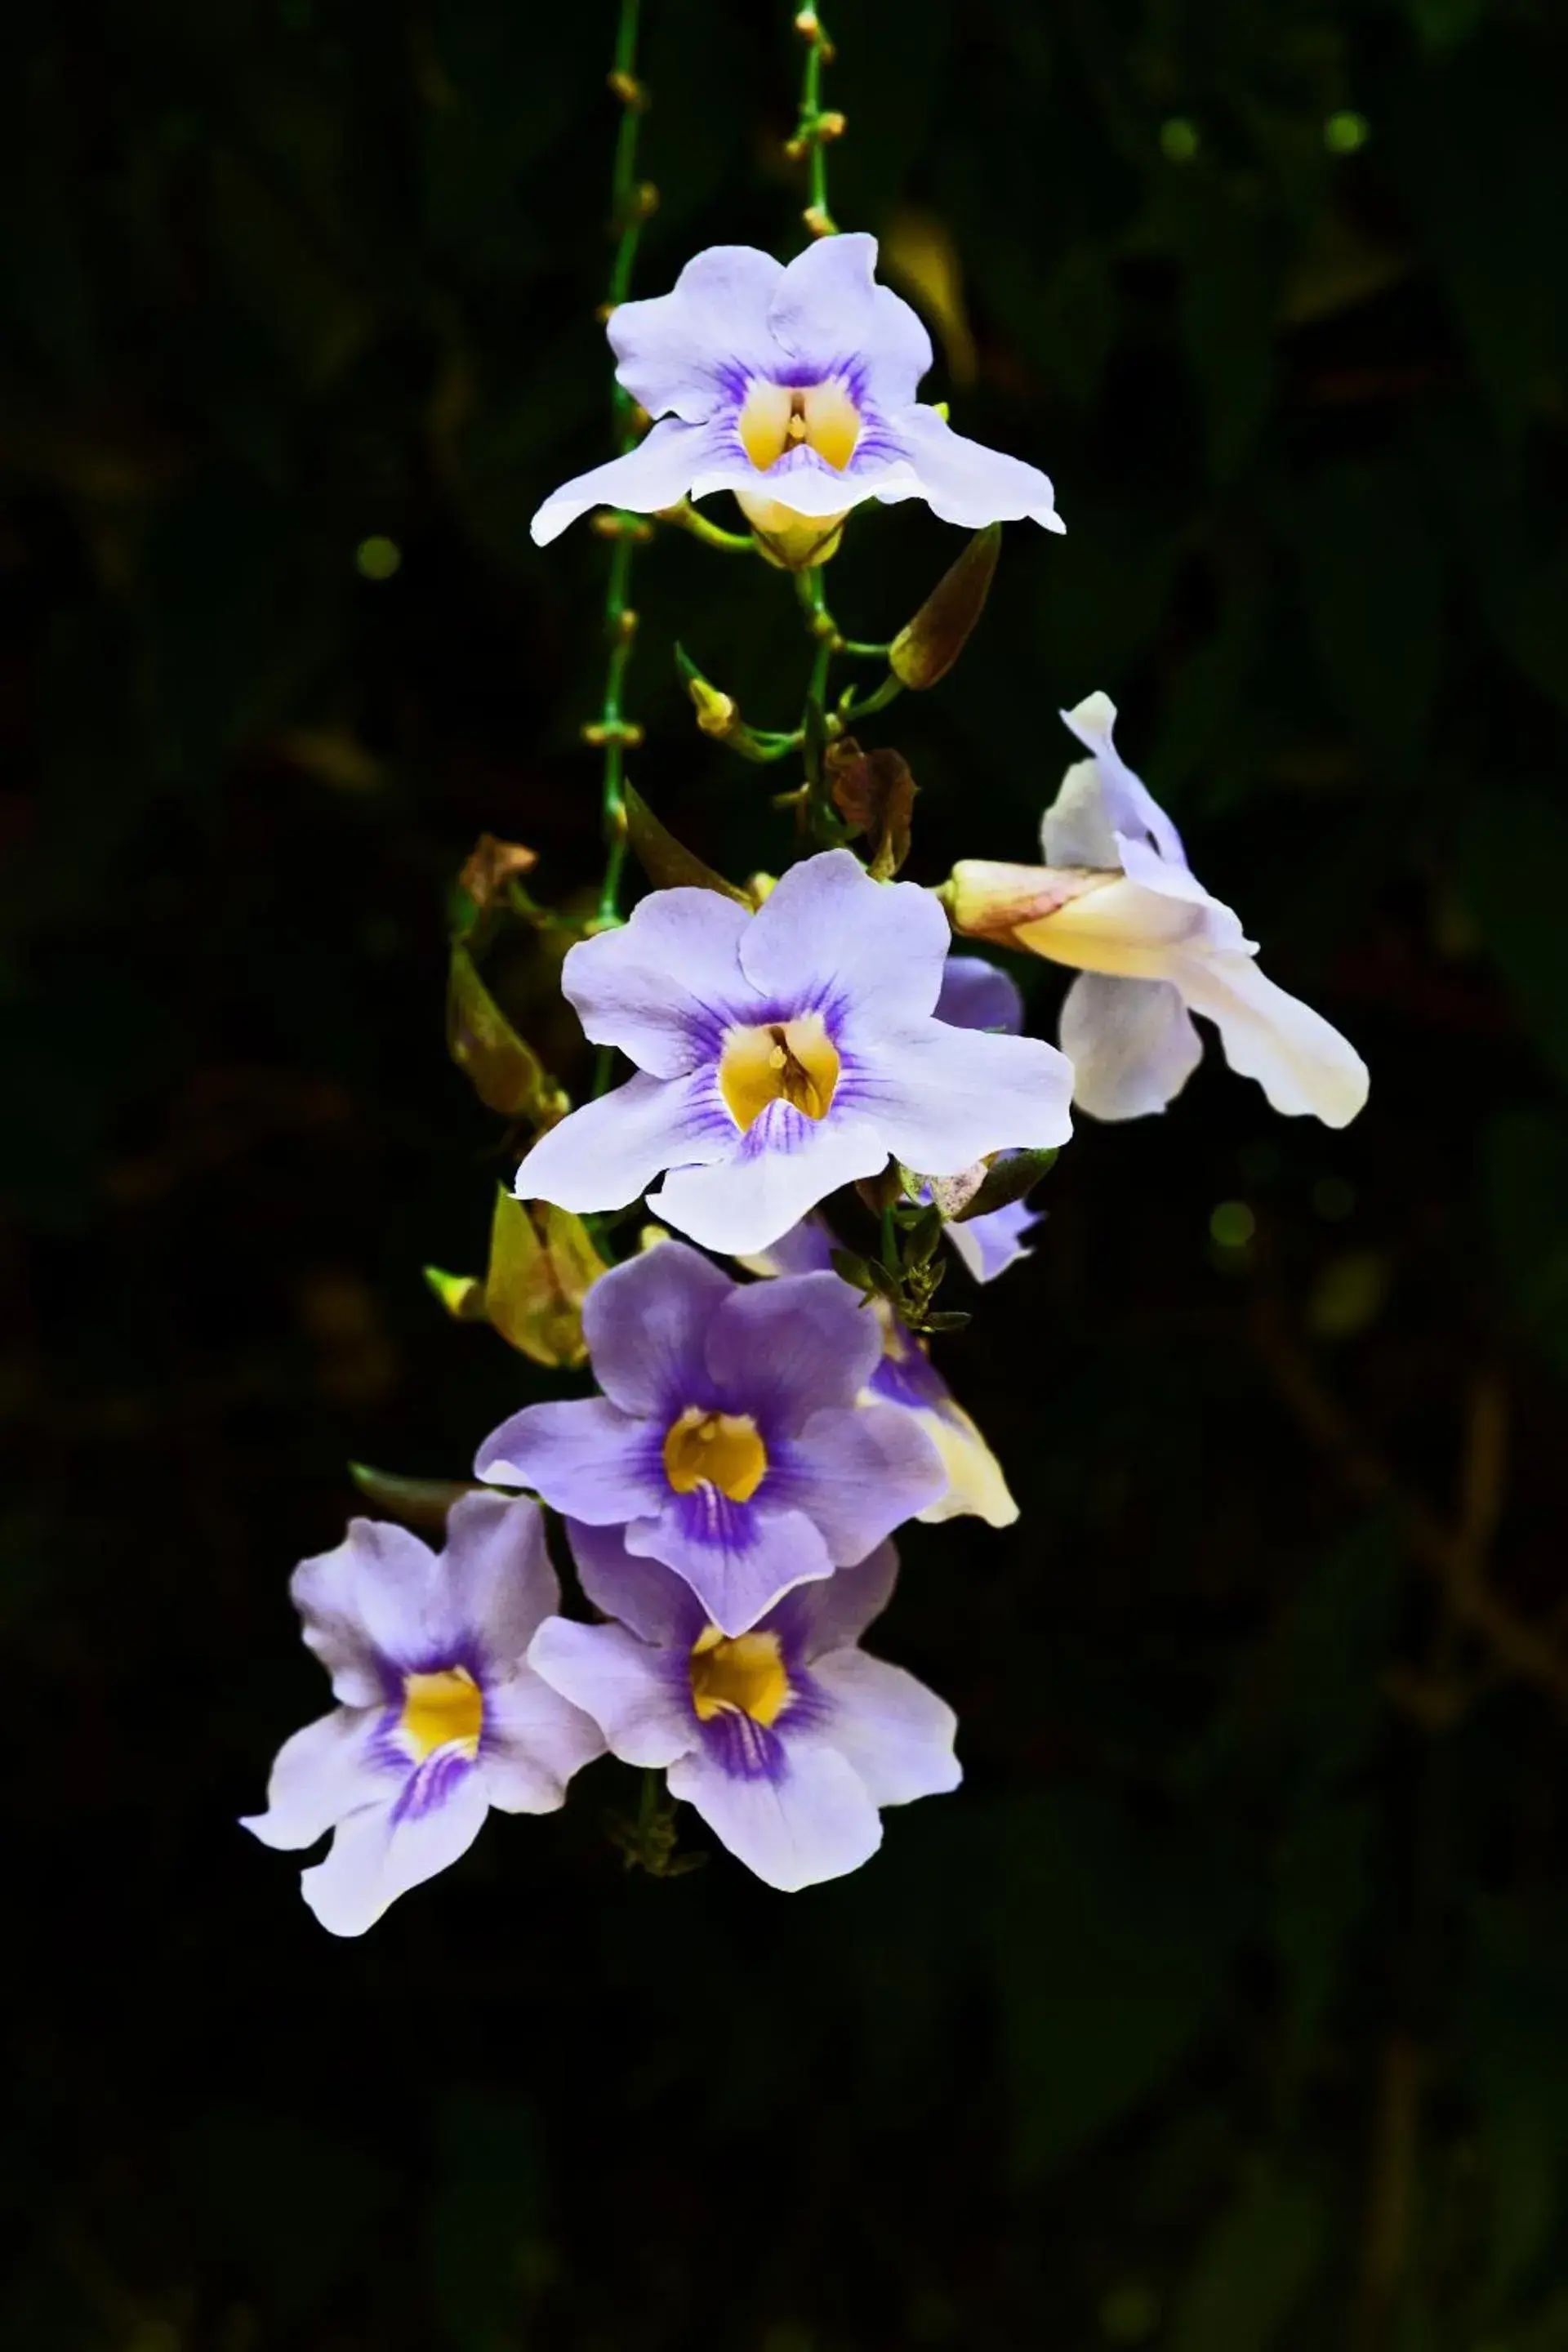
(1095, 715)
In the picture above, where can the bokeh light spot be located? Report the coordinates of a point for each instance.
(1345, 131)
(1232, 1226)
(377, 558)
(1179, 140)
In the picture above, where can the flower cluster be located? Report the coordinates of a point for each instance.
(817, 1088)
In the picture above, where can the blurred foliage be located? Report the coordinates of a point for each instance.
(1224, 2009)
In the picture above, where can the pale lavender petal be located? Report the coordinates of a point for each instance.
(1131, 1042)
(829, 935)
(966, 483)
(1216, 926)
(943, 1098)
(832, 1615)
(1301, 1060)
(1130, 806)
(321, 1776)
(659, 472)
(807, 1248)
(659, 1606)
(604, 1155)
(807, 485)
(646, 1325)
(377, 1855)
(583, 1455)
(787, 1163)
(666, 983)
(688, 350)
(782, 1349)
(499, 1572)
(897, 1734)
(977, 1485)
(738, 1560)
(833, 319)
(815, 1822)
(627, 1689)
(1076, 829)
(386, 1588)
(532, 1742)
(976, 995)
(988, 1245)
(858, 1475)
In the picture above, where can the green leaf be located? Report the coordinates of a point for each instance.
(1007, 1181)
(666, 861)
(1252, 2269)
(927, 646)
(504, 1071)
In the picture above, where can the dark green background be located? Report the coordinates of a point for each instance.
(1226, 2007)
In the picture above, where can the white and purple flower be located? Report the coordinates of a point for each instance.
(904, 1375)
(795, 388)
(1116, 901)
(781, 1054)
(787, 1739)
(728, 1442)
(975, 995)
(440, 1715)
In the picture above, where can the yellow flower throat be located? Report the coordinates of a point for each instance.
(441, 1710)
(784, 1061)
(779, 416)
(715, 1449)
(743, 1674)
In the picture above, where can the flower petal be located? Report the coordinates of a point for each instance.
(977, 995)
(1076, 829)
(658, 1606)
(381, 1600)
(897, 1734)
(966, 483)
(815, 1822)
(533, 1741)
(1131, 1042)
(988, 1245)
(942, 1097)
(646, 1325)
(1129, 805)
(499, 1572)
(977, 1486)
(816, 1618)
(783, 1350)
(858, 1475)
(1301, 1060)
(603, 1154)
(583, 1456)
(831, 317)
(807, 1248)
(658, 473)
(321, 1776)
(787, 1163)
(828, 936)
(375, 1858)
(665, 985)
(687, 350)
(738, 1559)
(629, 1690)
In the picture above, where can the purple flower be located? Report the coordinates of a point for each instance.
(441, 1717)
(727, 1442)
(904, 1375)
(1116, 901)
(795, 388)
(786, 1739)
(975, 995)
(781, 1054)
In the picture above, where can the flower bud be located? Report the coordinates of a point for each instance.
(926, 647)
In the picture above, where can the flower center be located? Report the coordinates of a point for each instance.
(787, 1061)
(742, 1675)
(715, 1449)
(779, 416)
(441, 1710)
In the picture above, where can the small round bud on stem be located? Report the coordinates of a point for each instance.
(611, 525)
(625, 625)
(630, 90)
(831, 126)
(612, 731)
(819, 221)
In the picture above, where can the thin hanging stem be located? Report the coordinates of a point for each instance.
(813, 128)
(631, 202)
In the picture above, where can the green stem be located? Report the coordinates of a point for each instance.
(879, 700)
(809, 136)
(630, 204)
